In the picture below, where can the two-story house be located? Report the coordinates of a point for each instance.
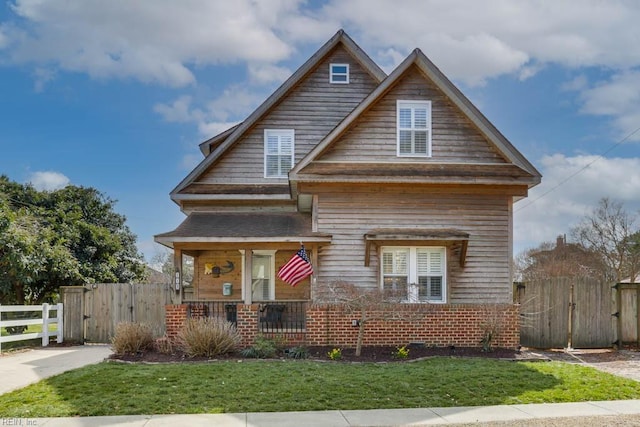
(389, 181)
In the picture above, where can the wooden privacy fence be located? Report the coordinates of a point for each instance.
(92, 312)
(628, 312)
(15, 320)
(578, 313)
(567, 312)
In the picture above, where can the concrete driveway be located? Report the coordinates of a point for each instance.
(19, 369)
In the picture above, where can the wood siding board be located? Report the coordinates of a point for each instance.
(349, 216)
(312, 108)
(450, 128)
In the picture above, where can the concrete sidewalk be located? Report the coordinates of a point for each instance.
(20, 369)
(511, 414)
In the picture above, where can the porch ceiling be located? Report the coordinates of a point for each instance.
(243, 227)
(415, 236)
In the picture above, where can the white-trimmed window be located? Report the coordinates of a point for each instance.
(420, 271)
(278, 152)
(263, 276)
(414, 128)
(339, 73)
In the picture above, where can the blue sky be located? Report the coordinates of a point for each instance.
(117, 95)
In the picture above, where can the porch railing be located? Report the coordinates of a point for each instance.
(224, 309)
(282, 316)
(273, 316)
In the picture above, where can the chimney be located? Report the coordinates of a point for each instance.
(561, 241)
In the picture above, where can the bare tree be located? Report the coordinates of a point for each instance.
(370, 304)
(560, 260)
(163, 261)
(609, 231)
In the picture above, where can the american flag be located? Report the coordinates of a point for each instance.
(297, 269)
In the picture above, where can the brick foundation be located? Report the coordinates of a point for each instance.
(460, 325)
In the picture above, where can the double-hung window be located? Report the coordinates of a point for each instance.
(414, 128)
(339, 73)
(278, 152)
(263, 276)
(418, 271)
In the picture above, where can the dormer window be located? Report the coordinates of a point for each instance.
(339, 73)
(278, 152)
(414, 128)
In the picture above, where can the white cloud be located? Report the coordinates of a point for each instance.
(578, 83)
(474, 41)
(179, 111)
(212, 128)
(549, 212)
(218, 115)
(150, 41)
(42, 77)
(619, 98)
(190, 160)
(267, 73)
(235, 102)
(161, 41)
(4, 38)
(48, 181)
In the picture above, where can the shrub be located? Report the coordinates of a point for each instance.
(208, 336)
(299, 352)
(262, 348)
(401, 352)
(132, 338)
(163, 345)
(335, 354)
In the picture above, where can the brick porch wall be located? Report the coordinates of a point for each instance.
(330, 325)
(440, 326)
(175, 318)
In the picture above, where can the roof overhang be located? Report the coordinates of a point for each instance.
(409, 236)
(259, 227)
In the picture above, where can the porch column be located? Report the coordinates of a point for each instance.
(177, 279)
(248, 276)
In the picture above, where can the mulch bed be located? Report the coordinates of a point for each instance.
(368, 354)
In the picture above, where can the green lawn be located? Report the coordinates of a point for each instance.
(262, 386)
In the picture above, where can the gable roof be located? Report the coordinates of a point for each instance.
(207, 146)
(234, 134)
(419, 59)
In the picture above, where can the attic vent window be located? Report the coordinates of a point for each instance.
(414, 128)
(339, 73)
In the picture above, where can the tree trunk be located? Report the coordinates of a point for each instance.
(363, 321)
(19, 288)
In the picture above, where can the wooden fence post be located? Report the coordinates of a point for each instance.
(45, 325)
(60, 322)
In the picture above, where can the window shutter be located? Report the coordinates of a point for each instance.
(430, 274)
(414, 128)
(278, 152)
